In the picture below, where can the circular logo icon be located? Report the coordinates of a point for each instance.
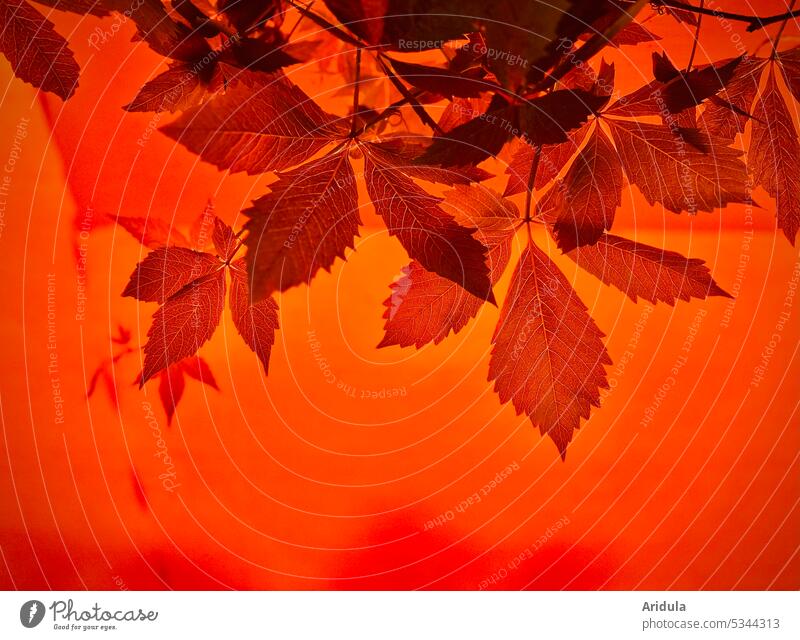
(31, 613)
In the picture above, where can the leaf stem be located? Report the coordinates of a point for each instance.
(696, 37)
(355, 93)
(531, 180)
(388, 111)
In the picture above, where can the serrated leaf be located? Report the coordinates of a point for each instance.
(669, 166)
(726, 118)
(774, 156)
(172, 382)
(428, 234)
(225, 242)
(675, 91)
(166, 271)
(548, 357)
(256, 322)
(424, 307)
(38, 55)
(309, 218)
(642, 271)
(262, 123)
(176, 89)
(184, 323)
(151, 232)
(581, 207)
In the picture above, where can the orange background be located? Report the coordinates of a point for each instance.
(286, 482)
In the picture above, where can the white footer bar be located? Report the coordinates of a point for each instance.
(399, 615)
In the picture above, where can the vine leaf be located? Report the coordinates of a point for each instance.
(581, 207)
(407, 153)
(675, 90)
(548, 357)
(104, 370)
(476, 139)
(166, 271)
(163, 34)
(309, 218)
(428, 234)
(541, 120)
(256, 322)
(684, 169)
(790, 64)
(642, 271)
(38, 55)
(725, 118)
(184, 323)
(190, 286)
(262, 123)
(774, 156)
(552, 159)
(224, 240)
(548, 119)
(423, 306)
(177, 89)
(151, 232)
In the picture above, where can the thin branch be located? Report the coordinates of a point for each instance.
(754, 22)
(299, 20)
(696, 37)
(322, 22)
(410, 97)
(355, 93)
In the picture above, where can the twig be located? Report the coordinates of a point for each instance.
(780, 33)
(754, 22)
(299, 20)
(410, 97)
(322, 22)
